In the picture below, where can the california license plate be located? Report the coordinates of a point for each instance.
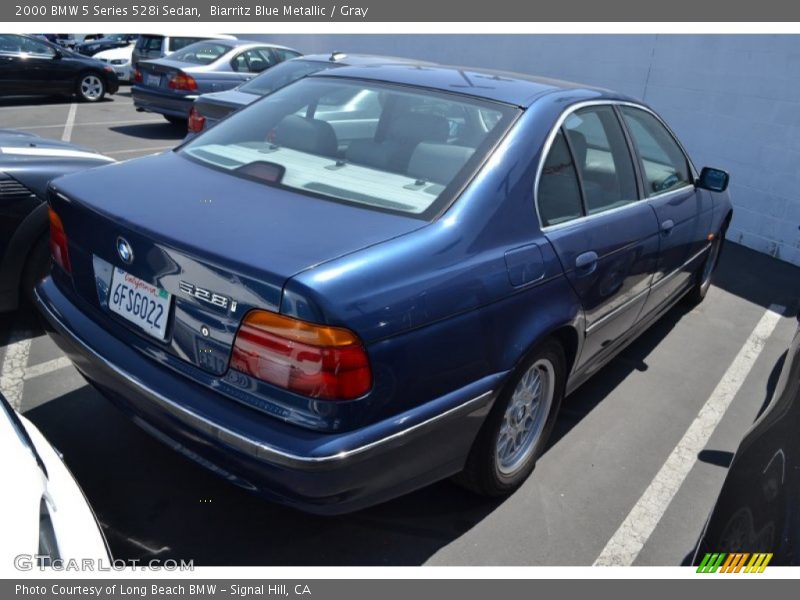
(144, 305)
(153, 80)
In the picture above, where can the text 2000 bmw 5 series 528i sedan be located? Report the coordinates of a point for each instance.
(334, 307)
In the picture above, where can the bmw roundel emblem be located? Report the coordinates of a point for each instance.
(124, 250)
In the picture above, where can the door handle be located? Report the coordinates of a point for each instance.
(586, 262)
(667, 226)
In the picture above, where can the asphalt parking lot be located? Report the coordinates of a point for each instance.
(627, 477)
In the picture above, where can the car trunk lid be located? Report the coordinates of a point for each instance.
(218, 244)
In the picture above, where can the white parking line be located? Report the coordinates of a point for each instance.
(626, 543)
(67, 135)
(46, 367)
(12, 371)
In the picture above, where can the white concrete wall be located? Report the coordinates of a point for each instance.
(733, 100)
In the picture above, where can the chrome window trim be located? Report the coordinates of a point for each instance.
(549, 142)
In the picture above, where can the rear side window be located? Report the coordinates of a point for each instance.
(201, 53)
(559, 196)
(664, 165)
(180, 42)
(284, 54)
(283, 74)
(602, 158)
(253, 60)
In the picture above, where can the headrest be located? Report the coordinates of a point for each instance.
(579, 146)
(418, 127)
(438, 162)
(307, 135)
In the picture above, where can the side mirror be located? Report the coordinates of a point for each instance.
(715, 180)
(57, 54)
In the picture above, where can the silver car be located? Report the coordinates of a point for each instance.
(170, 85)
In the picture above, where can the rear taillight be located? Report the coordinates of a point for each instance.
(137, 76)
(183, 82)
(58, 242)
(196, 121)
(329, 363)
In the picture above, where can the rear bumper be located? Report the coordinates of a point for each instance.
(164, 103)
(318, 472)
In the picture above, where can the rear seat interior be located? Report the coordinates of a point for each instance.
(412, 144)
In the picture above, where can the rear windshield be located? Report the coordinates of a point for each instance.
(281, 75)
(201, 53)
(393, 148)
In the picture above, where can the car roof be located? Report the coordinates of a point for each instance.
(500, 86)
(356, 60)
(209, 36)
(238, 43)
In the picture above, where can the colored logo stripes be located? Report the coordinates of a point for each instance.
(734, 562)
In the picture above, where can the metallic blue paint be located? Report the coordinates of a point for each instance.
(446, 308)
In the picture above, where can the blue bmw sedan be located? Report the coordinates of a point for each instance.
(333, 307)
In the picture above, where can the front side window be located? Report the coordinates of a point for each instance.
(664, 165)
(602, 157)
(366, 143)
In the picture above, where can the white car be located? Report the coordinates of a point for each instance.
(119, 59)
(44, 515)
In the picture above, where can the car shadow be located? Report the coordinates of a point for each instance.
(137, 487)
(11, 101)
(152, 131)
(154, 503)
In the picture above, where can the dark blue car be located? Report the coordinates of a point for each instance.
(379, 277)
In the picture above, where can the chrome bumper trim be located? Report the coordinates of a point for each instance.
(244, 443)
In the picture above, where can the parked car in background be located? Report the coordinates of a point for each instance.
(758, 509)
(44, 515)
(108, 42)
(27, 164)
(33, 66)
(209, 108)
(333, 307)
(119, 59)
(170, 85)
(150, 46)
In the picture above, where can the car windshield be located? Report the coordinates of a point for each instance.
(393, 148)
(282, 75)
(201, 53)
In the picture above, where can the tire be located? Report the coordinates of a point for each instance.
(91, 87)
(37, 266)
(704, 274)
(177, 121)
(493, 468)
